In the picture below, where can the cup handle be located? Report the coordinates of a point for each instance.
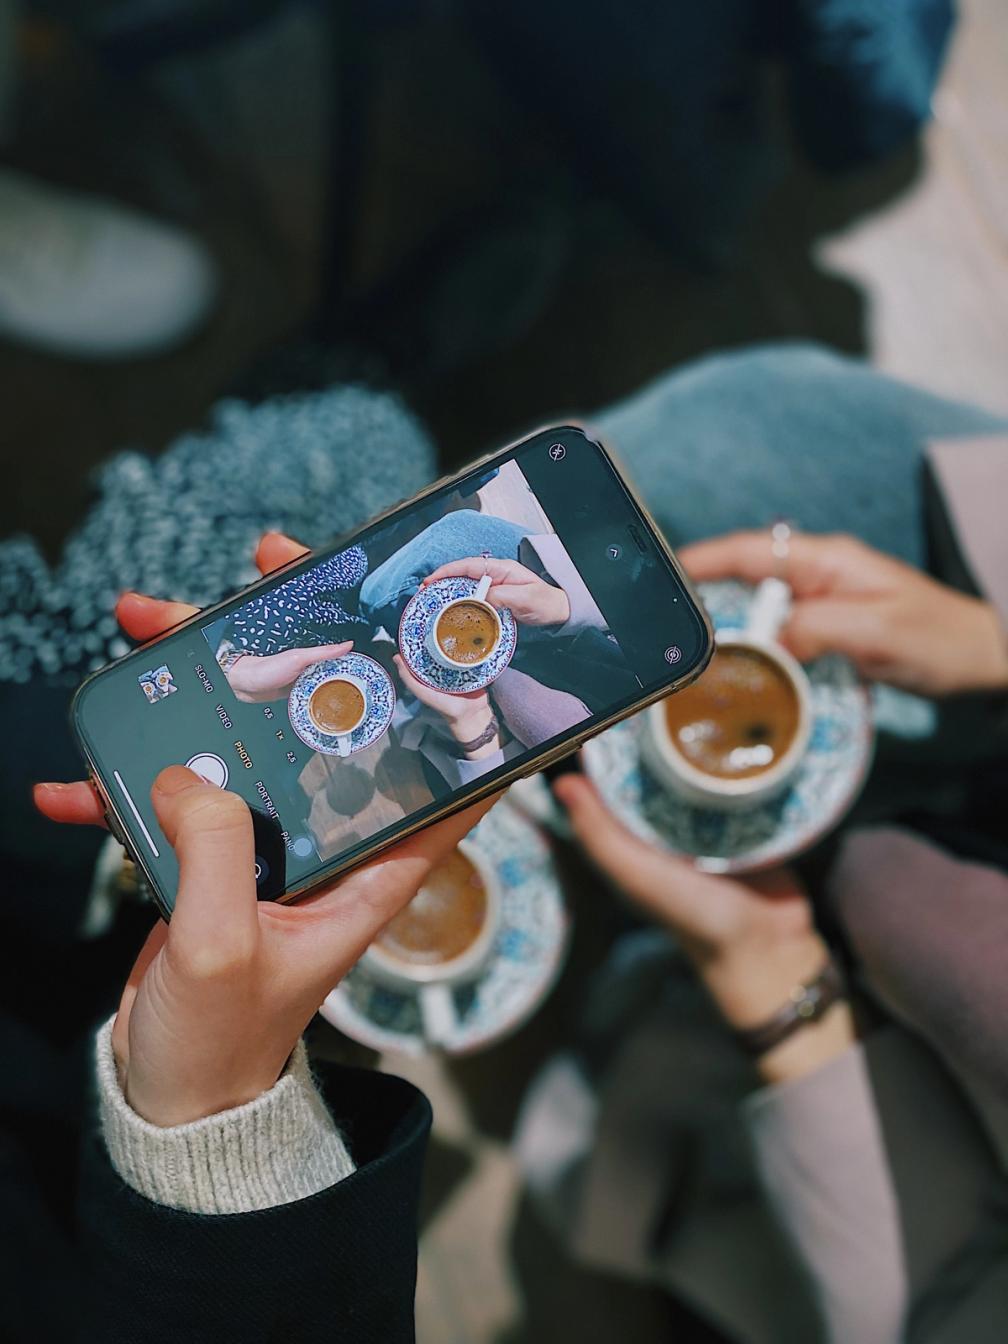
(343, 745)
(769, 609)
(482, 588)
(437, 1009)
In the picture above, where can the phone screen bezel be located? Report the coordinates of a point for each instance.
(495, 781)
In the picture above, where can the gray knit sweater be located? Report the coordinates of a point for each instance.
(281, 1147)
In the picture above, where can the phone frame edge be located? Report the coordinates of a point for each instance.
(120, 828)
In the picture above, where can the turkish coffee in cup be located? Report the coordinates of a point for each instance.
(447, 930)
(467, 631)
(736, 736)
(337, 706)
(740, 719)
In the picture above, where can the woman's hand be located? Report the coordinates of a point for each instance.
(531, 600)
(217, 999)
(467, 716)
(896, 624)
(270, 677)
(752, 942)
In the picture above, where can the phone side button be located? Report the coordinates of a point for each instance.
(116, 830)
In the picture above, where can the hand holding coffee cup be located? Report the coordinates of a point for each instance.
(442, 939)
(878, 611)
(736, 737)
(258, 678)
(342, 705)
(528, 597)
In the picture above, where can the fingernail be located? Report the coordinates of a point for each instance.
(176, 779)
(49, 786)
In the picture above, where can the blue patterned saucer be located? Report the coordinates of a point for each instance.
(526, 961)
(421, 610)
(380, 695)
(830, 777)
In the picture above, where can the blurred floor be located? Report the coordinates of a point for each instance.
(933, 265)
(910, 268)
(907, 263)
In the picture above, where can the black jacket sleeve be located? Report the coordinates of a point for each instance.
(340, 1266)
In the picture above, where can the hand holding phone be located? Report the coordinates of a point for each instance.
(216, 1001)
(484, 628)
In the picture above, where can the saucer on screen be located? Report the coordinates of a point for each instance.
(829, 779)
(421, 610)
(380, 697)
(525, 963)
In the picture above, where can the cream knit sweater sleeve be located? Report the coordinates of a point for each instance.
(281, 1147)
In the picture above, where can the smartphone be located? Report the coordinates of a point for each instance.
(494, 622)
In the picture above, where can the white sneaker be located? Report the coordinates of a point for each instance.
(87, 277)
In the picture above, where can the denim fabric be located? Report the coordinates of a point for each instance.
(790, 431)
(463, 533)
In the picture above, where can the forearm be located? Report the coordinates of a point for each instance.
(929, 930)
(281, 1147)
(337, 1265)
(884, 1182)
(821, 1159)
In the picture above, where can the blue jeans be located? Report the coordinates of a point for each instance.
(387, 589)
(790, 431)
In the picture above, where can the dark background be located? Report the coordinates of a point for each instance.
(387, 195)
(507, 231)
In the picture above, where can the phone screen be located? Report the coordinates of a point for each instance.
(438, 649)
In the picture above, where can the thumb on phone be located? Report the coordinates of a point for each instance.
(215, 920)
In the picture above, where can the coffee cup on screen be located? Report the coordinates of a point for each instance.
(466, 631)
(337, 706)
(737, 736)
(442, 939)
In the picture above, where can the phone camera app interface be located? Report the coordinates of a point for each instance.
(377, 683)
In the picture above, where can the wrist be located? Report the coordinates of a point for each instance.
(557, 605)
(752, 982)
(988, 650)
(181, 1106)
(750, 979)
(169, 1089)
(476, 731)
(470, 722)
(809, 1048)
(281, 1147)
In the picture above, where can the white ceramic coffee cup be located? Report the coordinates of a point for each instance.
(434, 981)
(479, 598)
(768, 611)
(343, 743)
